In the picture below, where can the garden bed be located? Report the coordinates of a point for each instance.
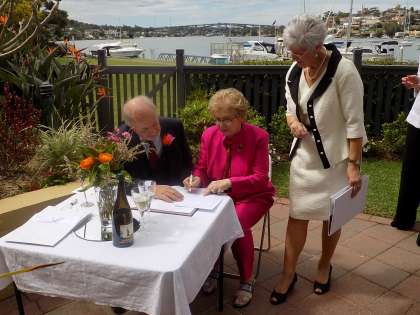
(15, 184)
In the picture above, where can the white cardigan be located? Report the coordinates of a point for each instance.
(338, 112)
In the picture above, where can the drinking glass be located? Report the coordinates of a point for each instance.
(141, 198)
(150, 187)
(86, 203)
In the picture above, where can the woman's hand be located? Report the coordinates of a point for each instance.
(298, 129)
(354, 178)
(191, 184)
(411, 82)
(218, 186)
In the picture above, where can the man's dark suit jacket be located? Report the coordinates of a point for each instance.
(174, 163)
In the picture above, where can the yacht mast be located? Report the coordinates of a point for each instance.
(349, 24)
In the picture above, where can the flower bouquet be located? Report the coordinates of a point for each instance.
(102, 165)
(103, 162)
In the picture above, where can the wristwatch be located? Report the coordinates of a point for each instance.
(355, 162)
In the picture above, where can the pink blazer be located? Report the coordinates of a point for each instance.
(249, 164)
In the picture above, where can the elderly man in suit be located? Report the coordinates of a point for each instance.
(168, 160)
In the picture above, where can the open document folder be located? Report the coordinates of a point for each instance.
(344, 208)
(192, 202)
(47, 227)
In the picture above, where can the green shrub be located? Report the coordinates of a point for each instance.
(195, 118)
(18, 134)
(280, 136)
(287, 62)
(390, 144)
(72, 81)
(394, 134)
(58, 148)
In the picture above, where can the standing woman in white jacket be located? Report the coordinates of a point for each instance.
(324, 94)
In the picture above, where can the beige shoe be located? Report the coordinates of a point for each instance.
(244, 295)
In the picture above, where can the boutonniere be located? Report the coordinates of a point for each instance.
(167, 139)
(240, 147)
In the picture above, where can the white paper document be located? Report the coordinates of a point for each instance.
(47, 227)
(192, 202)
(170, 207)
(344, 208)
(196, 199)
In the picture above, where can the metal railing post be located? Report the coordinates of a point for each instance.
(357, 59)
(180, 78)
(104, 106)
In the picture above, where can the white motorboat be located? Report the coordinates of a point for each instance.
(406, 43)
(118, 49)
(126, 51)
(256, 50)
(219, 59)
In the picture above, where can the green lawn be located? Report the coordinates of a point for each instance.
(130, 62)
(384, 181)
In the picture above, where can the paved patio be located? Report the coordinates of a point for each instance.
(376, 271)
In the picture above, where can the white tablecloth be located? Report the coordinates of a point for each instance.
(160, 274)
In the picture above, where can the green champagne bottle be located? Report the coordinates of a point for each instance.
(122, 219)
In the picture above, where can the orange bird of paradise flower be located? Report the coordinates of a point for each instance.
(101, 91)
(3, 19)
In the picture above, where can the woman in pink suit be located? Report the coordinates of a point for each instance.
(234, 159)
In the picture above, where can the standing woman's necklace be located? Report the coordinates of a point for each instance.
(315, 76)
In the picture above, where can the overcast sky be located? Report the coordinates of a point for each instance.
(183, 12)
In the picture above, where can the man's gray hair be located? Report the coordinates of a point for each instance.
(305, 31)
(136, 103)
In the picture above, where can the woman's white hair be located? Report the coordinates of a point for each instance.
(305, 31)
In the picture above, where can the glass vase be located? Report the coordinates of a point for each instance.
(105, 196)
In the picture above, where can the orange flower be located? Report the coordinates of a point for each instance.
(87, 163)
(101, 91)
(167, 139)
(3, 19)
(104, 157)
(50, 50)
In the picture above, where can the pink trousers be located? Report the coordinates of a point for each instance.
(249, 213)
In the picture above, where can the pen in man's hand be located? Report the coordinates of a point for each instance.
(190, 183)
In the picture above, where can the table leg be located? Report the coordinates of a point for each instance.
(18, 296)
(418, 240)
(220, 280)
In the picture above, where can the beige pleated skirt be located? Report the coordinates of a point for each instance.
(310, 185)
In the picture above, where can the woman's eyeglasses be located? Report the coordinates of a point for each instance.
(225, 121)
(298, 56)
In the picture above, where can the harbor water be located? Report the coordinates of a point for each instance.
(200, 45)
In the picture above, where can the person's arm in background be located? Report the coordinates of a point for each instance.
(412, 81)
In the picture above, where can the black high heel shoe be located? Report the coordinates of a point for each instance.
(321, 288)
(277, 298)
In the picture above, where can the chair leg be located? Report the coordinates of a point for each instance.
(267, 223)
(19, 302)
(220, 280)
(260, 248)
